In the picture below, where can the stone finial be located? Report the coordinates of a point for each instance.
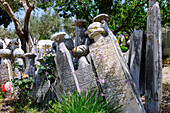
(31, 55)
(81, 50)
(58, 36)
(101, 17)
(1, 45)
(18, 52)
(79, 22)
(95, 29)
(5, 52)
(128, 42)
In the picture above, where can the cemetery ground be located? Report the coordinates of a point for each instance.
(7, 105)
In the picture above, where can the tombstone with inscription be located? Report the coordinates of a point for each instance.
(111, 67)
(64, 64)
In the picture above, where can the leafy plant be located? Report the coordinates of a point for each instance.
(85, 102)
(23, 88)
(46, 70)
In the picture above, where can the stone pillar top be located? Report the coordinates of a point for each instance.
(18, 52)
(58, 36)
(101, 17)
(5, 52)
(32, 55)
(95, 29)
(79, 22)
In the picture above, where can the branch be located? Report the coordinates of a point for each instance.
(127, 18)
(28, 4)
(12, 15)
(27, 18)
(23, 4)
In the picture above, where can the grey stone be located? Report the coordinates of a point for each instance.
(81, 50)
(136, 62)
(6, 73)
(101, 17)
(85, 75)
(5, 52)
(94, 29)
(1, 45)
(65, 66)
(18, 54)
(153, 64)
(13, 44)
(112, 68)
(79, 22)
(30, 66)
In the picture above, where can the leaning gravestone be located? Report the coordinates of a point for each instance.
(86, 76)
(136, 60)
(64, 65)
(111, 66)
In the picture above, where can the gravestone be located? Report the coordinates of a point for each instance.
(30, 66)
(153, 92)
(136, 61)
(85, 75)
(111, 66)
(5, 68)
(18, 64)
(43, 88)
(64, 65)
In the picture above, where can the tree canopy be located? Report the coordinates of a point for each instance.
(125, 15)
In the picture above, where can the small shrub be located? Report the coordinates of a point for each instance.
(85, 102)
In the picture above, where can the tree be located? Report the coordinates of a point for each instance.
(22, 31)
(125, 15)
(49, 23)
(5, 19)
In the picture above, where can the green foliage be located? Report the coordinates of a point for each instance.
(123, 48)
(49, 23)
(125, 15)
(85, 102)
(24, 92)
(46, 70)
(5, 33)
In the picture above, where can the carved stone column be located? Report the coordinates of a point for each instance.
(30, 67)
(18, 65)
(5, 68)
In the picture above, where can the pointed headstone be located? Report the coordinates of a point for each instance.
(153, 92)
(64, 64)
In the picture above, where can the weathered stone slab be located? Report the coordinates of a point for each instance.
(30, 66)
(64, 64)
(85, 75)
(136, 61)
(153, 92)
(111, 66)
(5, 69)
(18, 64)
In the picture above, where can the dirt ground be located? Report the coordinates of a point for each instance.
(166, 88)
(7, 103)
